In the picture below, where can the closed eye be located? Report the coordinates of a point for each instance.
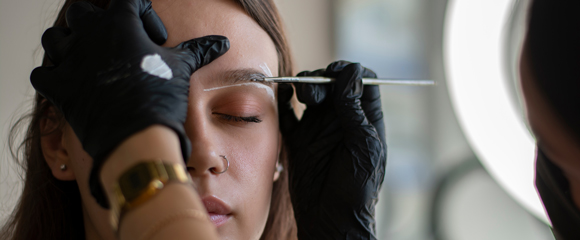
(250, 119)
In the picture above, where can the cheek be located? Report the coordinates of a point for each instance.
(255, 153)
(256, 156)
(257, 150)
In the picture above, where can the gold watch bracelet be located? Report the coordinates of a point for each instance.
(140, 183)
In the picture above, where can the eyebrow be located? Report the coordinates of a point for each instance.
(238, 76)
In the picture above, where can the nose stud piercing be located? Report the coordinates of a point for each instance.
(227, 166)
(62, 167)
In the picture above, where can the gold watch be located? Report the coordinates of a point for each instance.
(140, 183)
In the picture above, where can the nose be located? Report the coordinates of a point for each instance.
(206, 158)
(211, 164)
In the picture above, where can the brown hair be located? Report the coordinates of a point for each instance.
(51, 209)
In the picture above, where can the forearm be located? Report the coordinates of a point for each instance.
(156, 142)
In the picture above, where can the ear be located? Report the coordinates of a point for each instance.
(277, 172)
(53, 148)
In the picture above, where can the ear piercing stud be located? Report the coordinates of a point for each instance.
(63, 167)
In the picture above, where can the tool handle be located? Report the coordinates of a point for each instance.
(366, 81)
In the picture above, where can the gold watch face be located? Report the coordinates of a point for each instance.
(135, 181)
(142, 181)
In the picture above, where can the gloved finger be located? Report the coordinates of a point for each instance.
(54, 43)
(287, 118)
(359, 131)
(367, 73)
(347, 94)
(153, 25)
(136, 7)
(371, 104)
(312, 94)
(370, 98)
(335, 68)
(201, 51)
(40, 78)
(149, 18)
(348, 82)
(78, 13)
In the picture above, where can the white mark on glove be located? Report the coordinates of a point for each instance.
(154, 65)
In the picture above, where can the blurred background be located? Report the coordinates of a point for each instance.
(435, 186)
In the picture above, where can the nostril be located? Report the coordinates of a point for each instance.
(208, 165)
(214, 170)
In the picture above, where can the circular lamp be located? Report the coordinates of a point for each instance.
(478, 81)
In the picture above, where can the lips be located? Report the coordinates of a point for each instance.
(219, 212)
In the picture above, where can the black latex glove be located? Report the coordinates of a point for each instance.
(99, 84)
(337, 153)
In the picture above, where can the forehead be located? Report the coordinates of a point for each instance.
(250, 45)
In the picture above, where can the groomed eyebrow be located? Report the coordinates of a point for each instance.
(238, 76)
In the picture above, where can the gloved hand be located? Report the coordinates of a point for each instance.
(337, 153)
(111, 79)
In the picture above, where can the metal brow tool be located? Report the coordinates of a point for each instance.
(366, 81)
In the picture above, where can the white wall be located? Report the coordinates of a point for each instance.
(310, 31)
(21, 25)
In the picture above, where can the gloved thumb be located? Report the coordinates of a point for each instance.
(78, 14)
(202, 51)
(153, 25)
(312, 94)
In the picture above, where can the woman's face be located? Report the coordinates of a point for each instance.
(228, 115)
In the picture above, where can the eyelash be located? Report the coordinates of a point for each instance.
(251, 119)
